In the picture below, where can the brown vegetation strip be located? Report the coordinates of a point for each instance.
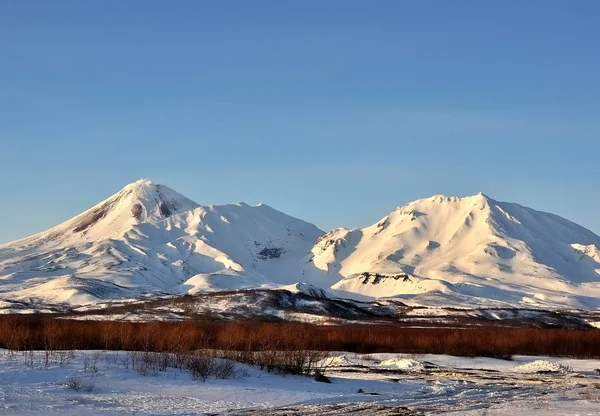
(41, 332)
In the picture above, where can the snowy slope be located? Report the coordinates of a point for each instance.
(440, 251)
(465, 251)
(148, 238)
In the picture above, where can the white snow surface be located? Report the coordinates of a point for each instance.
(471, 251)
(477, 386)
(540, 365)
(148, 238)
(435, 252)
(401, 364)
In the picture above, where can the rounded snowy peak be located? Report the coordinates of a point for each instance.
(142, 183)
(445, 198)
(146, 200)
(479, 200)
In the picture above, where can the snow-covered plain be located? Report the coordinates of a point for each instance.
(368, 384)
(441, 251)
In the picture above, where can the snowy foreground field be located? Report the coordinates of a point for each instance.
(103, 383)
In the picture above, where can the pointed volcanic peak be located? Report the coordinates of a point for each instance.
(148, 238)
(139, 202)
(148, 201)
(455, 247)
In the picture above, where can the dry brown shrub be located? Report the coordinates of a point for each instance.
(42, 332)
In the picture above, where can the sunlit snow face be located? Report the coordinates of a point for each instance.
(440, 251)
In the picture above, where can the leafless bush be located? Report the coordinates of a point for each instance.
(142, 363)
(46, 358)
(51, 339)
(29, 359)
(111, 357)
(125, 362)
(223, 369)
(133, 358)
(241, 373)
(204, 364)
(65, 357)
(164, 360)
(150, 363)
(79, 384)
(299, 362)
(199, 366)
(90, 362)
(145, 369)
(41, 332)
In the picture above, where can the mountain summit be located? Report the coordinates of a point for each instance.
(438, 251)
(473, 250)
(148, 238)
(138, 202)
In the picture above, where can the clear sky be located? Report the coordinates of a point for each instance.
(332, 111)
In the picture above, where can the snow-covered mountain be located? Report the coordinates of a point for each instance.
(440, 251)
(470, 251)
(148, 238)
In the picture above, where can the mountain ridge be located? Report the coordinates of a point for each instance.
(456, 246)
(440, 250)
(146, 238)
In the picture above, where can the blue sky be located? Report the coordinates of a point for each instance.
(335, 111)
